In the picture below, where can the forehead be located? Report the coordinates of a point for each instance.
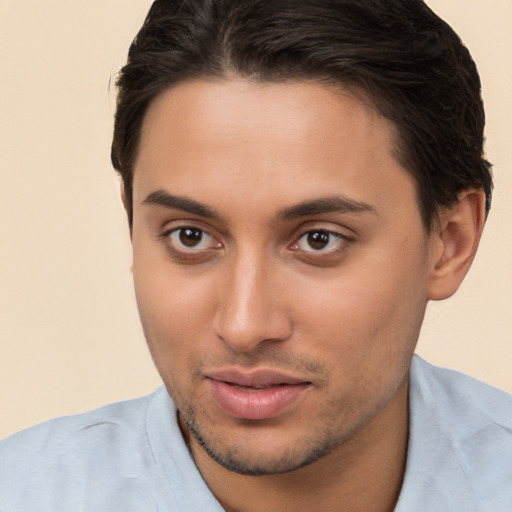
(274, 142)
(289, 111)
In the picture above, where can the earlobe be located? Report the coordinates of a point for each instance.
(454, 243)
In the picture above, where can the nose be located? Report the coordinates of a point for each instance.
(252, 309)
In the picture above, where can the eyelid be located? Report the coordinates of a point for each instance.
(183, 254)
(184, 223)
(205, 236)
(168, 231)
(344, 241)
(328, 227)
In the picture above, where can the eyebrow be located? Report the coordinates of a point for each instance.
(333, 204)
(163, 198)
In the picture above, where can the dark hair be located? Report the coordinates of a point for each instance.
(403, 57)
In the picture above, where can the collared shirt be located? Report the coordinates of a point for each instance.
(131, 457)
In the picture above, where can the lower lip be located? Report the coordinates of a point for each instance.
(256, 404)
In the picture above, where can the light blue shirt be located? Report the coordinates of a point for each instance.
(130, 456)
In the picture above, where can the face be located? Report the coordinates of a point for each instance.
(280, 266)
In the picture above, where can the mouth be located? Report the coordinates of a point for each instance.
(256, 395)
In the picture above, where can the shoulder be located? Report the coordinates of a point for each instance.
(459, 400)
(125, 457)
(62, 432)
(461, 430)
(57, 458)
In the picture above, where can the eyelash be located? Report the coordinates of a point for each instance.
(184, 254)
(341, 244)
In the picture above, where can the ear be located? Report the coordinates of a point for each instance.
(454, 242)
(122, 192)
(123, 195)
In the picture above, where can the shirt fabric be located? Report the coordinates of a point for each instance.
(131, 457)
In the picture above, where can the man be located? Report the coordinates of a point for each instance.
(300, 179)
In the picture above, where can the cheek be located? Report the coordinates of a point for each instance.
(370, 309)
(174, 310)
(366, 335)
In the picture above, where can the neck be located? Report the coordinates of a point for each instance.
(365, 473)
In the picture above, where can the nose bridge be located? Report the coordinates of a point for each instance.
(250, 310)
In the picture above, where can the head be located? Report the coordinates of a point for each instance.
(299, 177)
(402, 58)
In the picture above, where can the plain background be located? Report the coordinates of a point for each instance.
(69, 331)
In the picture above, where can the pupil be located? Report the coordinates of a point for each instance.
(318, 240)
(190, 237)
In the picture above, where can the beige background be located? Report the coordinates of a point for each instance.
(69, 332)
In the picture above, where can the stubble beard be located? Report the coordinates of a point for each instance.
(303, 452)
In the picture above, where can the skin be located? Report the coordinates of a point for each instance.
(253, 291)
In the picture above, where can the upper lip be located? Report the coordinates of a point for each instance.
(255, 378)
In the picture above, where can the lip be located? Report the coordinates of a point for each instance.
(256, 395)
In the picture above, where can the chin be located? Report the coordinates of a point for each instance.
(264, 457)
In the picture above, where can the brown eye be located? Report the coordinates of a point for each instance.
(190, 240)
(321, 241)
(318, 240)
(190, 237)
